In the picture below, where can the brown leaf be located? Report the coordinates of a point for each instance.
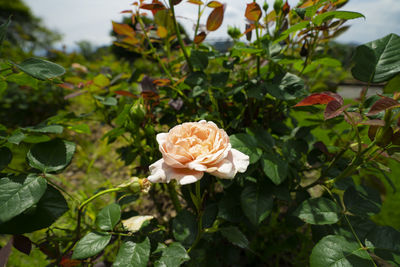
(374, 122)
(253, 12)
(130, 40)
(248, 31)
(5, 252)
(123, 29)
(334, 109)
(161, 82)
(286, 8)
(153, 6)
(200, 38)
(68, 86)
(383, 104)
(175, 2)
(215, 19)
(355, 118)
(126, 11)
(125, 93)
(372, 132)
(22, 243)
(214, 4)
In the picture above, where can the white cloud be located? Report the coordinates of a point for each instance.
(91, 19)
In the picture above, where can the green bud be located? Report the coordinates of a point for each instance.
(384, 137)
(265, 7)
(278, 5)
(137, 112)
(234, 32)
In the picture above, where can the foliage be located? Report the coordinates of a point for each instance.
(320, 165)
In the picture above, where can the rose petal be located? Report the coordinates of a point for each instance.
(240, 160)
(161, 172)
(225, 168)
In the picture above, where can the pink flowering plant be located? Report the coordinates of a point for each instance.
(239, 157)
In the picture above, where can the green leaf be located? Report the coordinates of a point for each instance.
(362, 200)
(274, 167)
(5, 157)
(294, 28)
(199, 59)
(3, 87)
(50, 207)
(235, 236)
(172, 256)
(90, 245)
(256, 203)
(246, 144)
(378, 60)
(337, 251)
(384, 242)
(56, 129)
(346, 15)
(51, 156)
(3, 30)
(19, 193)
(318, 211)
(393, 85)
(80, 128)
(108, 217)
(40, 69)
(35, 138)
(196, 78)
(107, 101)
(230, 209)
(16, 137)
(209, 215)
(133, 254)
(286, 87)
(184, 227)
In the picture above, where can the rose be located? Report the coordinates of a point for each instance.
(192, 148)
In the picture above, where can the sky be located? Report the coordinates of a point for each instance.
(90, 20)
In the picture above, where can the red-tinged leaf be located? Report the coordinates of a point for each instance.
(353, 118)
(214, 4)
(322, 147)
(215, 19)
(196, 2)
(374, 122)
(126, 11)
(253, 12)
(81, 92)
(334, 109)
(200, 38)
(162, 32)
(22, 243)
(175, 2)
(162, 82)
(123, 29)
(135, 4)
(68, 86)
(125, 93)
(153, 6)
(383, 104)
(320, 99)
(398, 122)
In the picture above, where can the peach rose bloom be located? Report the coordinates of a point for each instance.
(192, 148)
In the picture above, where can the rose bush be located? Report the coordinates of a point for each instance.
(192, 148)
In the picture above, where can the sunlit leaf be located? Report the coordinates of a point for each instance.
(214, 4)
(123, 29)
(90, 245)
(162, 32)
(319, 98)
(253, 12)
(215, 19)
(346, 15)
(200, 37)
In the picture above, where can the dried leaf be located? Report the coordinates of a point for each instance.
(125, 93)
(200, 38)
(253, 12)
(153, 6)
(134, 223)
(215, 19)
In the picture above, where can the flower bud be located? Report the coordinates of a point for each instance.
(278, 5)
(234, 32)
(137, 112)
(265, 7)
